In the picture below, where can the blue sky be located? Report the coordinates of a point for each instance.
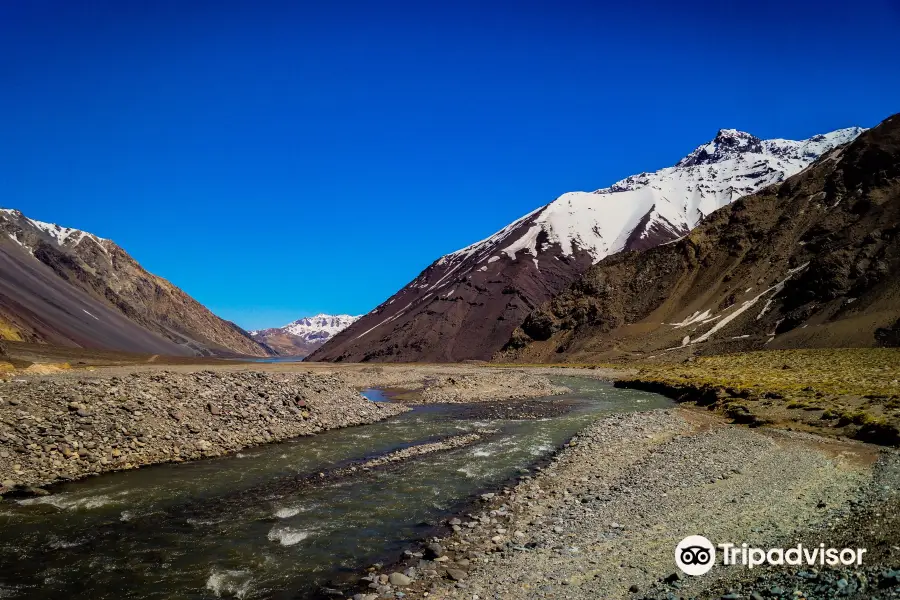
(280, 159)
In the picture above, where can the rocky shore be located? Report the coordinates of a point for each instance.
(63, 428)
(422, 449)
(603, 518)
(453, 383)
(66, 425)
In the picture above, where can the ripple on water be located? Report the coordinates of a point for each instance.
(57, 543)
(65, 502)
(286, 512)
(287, 536)
(467, 471)
(193, 521)
(539, 449)
(234, 584)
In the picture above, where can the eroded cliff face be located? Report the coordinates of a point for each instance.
(812, 262)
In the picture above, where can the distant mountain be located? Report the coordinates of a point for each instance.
(811, 262)
(302, 336)
(69, 287)
(466, 304)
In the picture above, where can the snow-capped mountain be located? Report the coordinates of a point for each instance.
(650, 206)
(302, 336)
(68, 287)
(467, 303)
(813, 262)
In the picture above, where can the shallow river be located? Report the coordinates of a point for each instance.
(251, 525)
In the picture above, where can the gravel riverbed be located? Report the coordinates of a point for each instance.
(454, 383)
(603, 518)
(63, 428)
(71, 424)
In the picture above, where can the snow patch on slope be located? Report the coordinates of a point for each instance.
(675, 199)
(774, 290)
(62, 236)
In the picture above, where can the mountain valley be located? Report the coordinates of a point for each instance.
(301, 337)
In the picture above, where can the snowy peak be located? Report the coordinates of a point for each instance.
(811, 149)
(467, 304)
(728, 143)
(321, 326)
(652, 208)
(732, 144)
(300, 337)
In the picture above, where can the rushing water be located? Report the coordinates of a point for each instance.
(251, 525)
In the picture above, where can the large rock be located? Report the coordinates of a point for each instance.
(399, 579)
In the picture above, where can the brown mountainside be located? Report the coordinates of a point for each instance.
(811, 262)
(283, 343)
(455, 310)
(68, 287)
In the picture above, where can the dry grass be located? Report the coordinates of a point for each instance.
(46, 368)
(8, 332)
(852, 371)
(852, 392)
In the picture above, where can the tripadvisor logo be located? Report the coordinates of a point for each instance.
(696, 555)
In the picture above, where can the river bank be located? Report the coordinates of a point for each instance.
(600, 518)
(453, 384)
(63, 424)
(603, 518)
(63, 428)
(853, 393)
(282, 520)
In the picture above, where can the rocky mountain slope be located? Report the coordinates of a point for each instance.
(466, 304)
(812, 262)
(302, 336)
(68, 287)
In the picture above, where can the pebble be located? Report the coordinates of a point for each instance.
(399, 579)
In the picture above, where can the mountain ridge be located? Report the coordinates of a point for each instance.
(466, 304)
(304, 335)
(811, 262)
(69, 287)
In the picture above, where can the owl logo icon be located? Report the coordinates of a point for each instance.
(695, 555)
